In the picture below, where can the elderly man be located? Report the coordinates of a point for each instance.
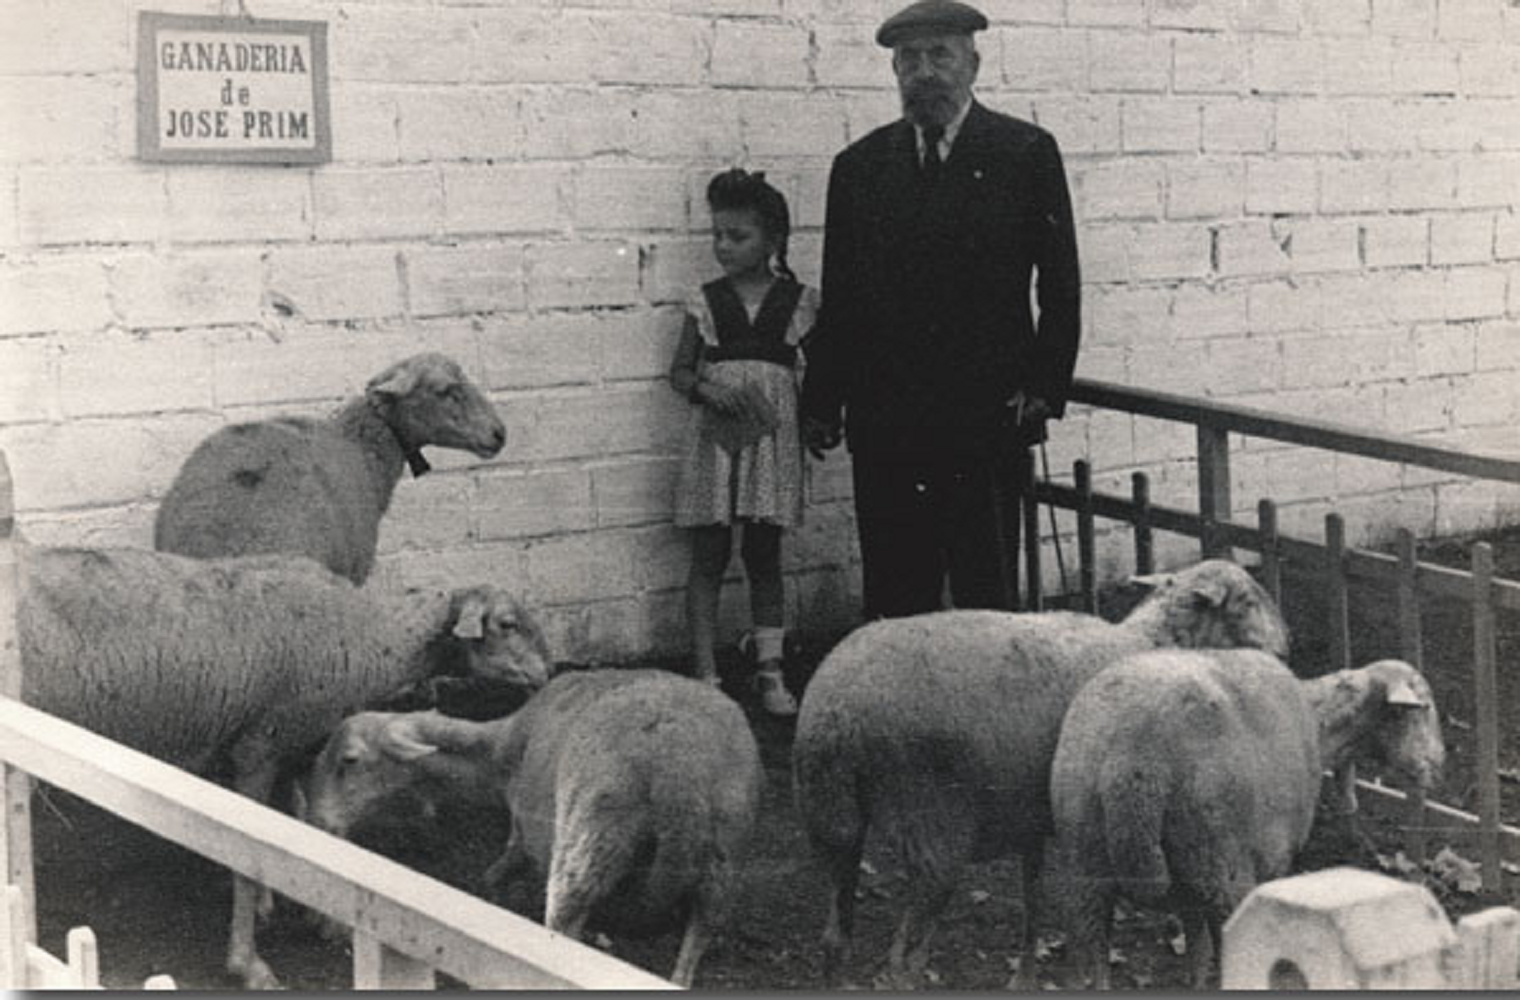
(929, 356)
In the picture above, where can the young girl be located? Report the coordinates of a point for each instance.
(737, 362)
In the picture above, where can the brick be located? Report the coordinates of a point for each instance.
(1248, 364)
(457, 123)
(1169, 251)
(1160, 125)
(867, 110)
(398, 46)
(847, 56)
(1043, 58)
(520, 352)
(1462, 127)
(87, 36)
(1129, 61)
(1310, 127)
(638, 491)
(1345, 357)
(759, 54)
(1461, 239)
(702, 125)
(1284, 306)
(454, 281)
(1404, 18)
(1237, 127)
(624, 198)
(661, 562)
(781, 124)
(1353, 185)
(370, 117)
(1396, 241)
(10, 223)
(582, 274)
(1357, 66)
(1080, 124)
(1105, 12)
(1338, 17)
(338, 283)
(1419, 406)
(1355, 475)
(1488, 180)
(1198, 189)
(1349, 301)
(1413, 295)
(533, 503)
(1281, 186)
(1489, 400)
(28, 380)
(1422, 184)
(672, 268)
(33, 109)
(1199, 311)
(65, 204)
(808, 197)
(648, 49)
(53, 293)
(1128, 315)
(1286, 67)
(1444, 349)
(999, 11)
(1470, 20)
(1250, 248)
(580, 567)
(1507, 236)
(1208, 64)
(1269, 15)
(1379, 126)
(1498, 346)
(1425, 68)
(1490, 70)
(1114, 190)
(639, 346)
(504, 199)
(372, 203)
(1104, 252)
(1169, 367)
(228, 205)
(1474, 293)
(1208, 15)
(199, 288)
(120, 526)
(80, 463)
(428, 514)
(170, 370)
(1325, 245)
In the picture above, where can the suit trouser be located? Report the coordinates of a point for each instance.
(921, 520)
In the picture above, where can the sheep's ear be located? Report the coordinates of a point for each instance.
(1153, 580)
(392, 384)
(469, 623)
(402, 740)
(1211, 592)
(1403, 694)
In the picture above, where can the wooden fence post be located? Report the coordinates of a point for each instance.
(1486, 691)
(15, 785)
(1213, 487)
(377, 967)
(1145, 543)
(1034, 600)
(1087, 556)
(1271, 553)
(1410, 650)
(1338, 600)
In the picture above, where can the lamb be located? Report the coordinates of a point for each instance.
(319, 488)
(937, 731)
(1185, 778)
(235, 667)
(633, 790)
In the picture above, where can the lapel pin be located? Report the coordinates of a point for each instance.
(977, 174)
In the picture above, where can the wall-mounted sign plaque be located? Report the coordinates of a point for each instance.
(231, 90)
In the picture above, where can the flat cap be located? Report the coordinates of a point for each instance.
(930, 17)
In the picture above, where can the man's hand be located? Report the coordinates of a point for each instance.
(1026, 408)
(819, 436)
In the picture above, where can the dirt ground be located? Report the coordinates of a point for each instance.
(157, 908)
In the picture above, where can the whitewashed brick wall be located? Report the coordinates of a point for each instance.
(1311, 206)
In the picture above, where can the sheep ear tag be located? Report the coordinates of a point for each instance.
(470, 623)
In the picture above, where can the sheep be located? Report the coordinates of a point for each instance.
(319, 488)
(937, 731)
(1186, 778)
(634, 791)
(235, 667)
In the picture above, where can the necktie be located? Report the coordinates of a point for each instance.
(932, 163)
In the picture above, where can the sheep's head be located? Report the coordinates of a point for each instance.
(1405, 733)
(1213, 605)
(369, 758)
(498, 638)
(426, 399)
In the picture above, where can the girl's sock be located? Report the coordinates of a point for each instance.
(770, 643)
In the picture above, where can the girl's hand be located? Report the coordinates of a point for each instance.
(717, 396)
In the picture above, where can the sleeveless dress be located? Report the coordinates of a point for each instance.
(762, 480)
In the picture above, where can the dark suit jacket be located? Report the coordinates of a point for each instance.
(926, 325)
